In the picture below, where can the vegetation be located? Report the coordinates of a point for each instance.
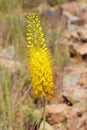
(16, 104)
(38, 61)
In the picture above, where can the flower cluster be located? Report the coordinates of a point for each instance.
(38, 59)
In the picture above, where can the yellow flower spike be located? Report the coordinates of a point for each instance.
(38, 58)
(38, 61)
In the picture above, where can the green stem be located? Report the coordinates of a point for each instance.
(44, 112)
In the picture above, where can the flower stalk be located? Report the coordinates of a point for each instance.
(39, 62)
(44, 112)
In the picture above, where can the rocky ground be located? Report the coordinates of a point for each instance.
(71, 114)
(68, 109)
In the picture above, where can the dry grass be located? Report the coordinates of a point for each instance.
(17, 108)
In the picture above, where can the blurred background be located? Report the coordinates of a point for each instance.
(64, 24)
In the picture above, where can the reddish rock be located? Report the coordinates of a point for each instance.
(57, 108)
(56, 113)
